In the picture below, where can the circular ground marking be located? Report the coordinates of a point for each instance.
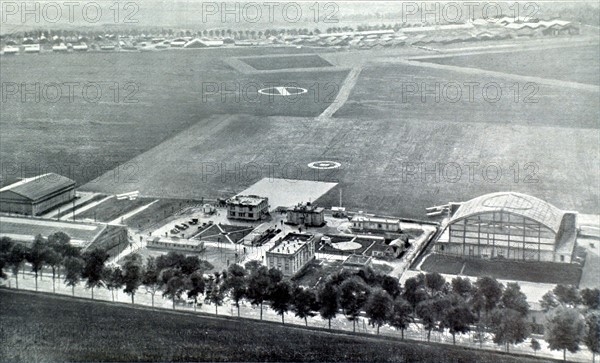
(282, 91)
(324, 165)
(346, 246)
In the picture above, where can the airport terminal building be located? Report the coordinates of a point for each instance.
(510, 225)
(33, 196)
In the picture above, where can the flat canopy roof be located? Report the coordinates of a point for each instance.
(37, 187)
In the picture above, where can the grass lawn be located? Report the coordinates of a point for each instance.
(443, 264)
(317, 272)
(159, 211)
(582, 68)
(297, 61)
(113, 208)
(542, 272)
(95, 198)
(46, 328)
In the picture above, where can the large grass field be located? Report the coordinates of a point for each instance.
(302, 61)
(160, 94)
(580, 65)
(46, 328)
(112, 209)
(388, 142)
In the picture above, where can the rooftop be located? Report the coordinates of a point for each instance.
(357, 260)
(39, 186)
(515, 203)
(246, 200)
(373, 219)
(306, 208)
(291, 243)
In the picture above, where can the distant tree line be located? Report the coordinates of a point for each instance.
(484, 307)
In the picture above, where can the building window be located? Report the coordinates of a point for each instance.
(562, 258)
(250, 215)
(232, 213)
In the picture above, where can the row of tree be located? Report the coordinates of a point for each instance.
(459, 306)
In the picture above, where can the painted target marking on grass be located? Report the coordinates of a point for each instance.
(282, 91)
(324, 165)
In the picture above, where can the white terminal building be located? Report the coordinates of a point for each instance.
(247, 207)
(292, 253)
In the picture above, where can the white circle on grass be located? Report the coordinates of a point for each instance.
(346, 246)
(282, 91)
(324, 165)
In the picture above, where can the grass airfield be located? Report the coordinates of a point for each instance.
(398, 155)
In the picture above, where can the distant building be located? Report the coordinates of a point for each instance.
(247, 207)
(174, 244)
(357, 262)
(364, 222)
(35, 195)
(510, 225)
(306, 214)
(292, 253)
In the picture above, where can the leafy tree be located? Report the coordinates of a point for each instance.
(401, 315)
(549, 302)
(379, 308)
(174, 285)
(172, 260)
(73, 271)
(353, 296)
(37, 256)
(252, 266)
(328, 298)
(304, 303)
(133, 273)
(462, 286)
(196, 287)
(151, 279)
(513, 298)
(564, 329)
(258, 287)
(567, 294)
(535, 345)
(591, 298)
(190, 264)
(428, 313)
(113, 279)
(458, 317)
(216, 293)
(591, 337)
(94, 268)
(509, 327)
(235, 283)
(487, 295)
(414, 290)
(54, 260)
(6, 245)
(281, 298)
(391, 285)
(15, 260)
(434, 282)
